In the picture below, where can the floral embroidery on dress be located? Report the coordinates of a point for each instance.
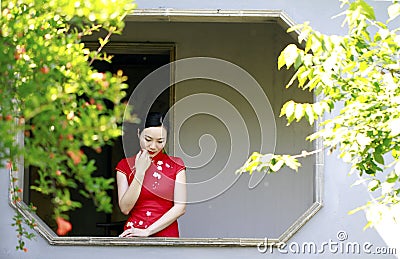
(155, 184)
(129, 224)
(158, 188)
(157, 175)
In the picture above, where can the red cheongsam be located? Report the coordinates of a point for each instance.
(157, 193)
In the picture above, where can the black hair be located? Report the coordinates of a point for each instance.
(155, 119)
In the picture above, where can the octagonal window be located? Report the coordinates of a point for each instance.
(223, 97)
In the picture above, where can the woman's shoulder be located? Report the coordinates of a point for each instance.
(126, 164)
(177, 161)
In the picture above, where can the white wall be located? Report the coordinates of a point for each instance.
(338, 197)
(217, 127)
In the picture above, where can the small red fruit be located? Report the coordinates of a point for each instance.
(75, 156)
(63, 226)
(45, 70)
(17, 56)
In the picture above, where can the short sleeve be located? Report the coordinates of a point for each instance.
(122, 166)
(126, 166)
(179, 164)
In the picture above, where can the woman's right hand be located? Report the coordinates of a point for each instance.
(142, 162)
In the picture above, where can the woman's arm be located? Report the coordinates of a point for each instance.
(128, 194)
(170, 216)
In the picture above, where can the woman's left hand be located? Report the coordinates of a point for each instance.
(135, 232)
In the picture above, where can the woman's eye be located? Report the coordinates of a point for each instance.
(148, 140)
(160, 142)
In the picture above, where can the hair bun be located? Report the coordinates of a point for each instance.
(154, 119)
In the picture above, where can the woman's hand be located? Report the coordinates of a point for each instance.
(142, 162)
(135, 232)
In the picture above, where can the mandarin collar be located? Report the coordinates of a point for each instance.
(159, 156)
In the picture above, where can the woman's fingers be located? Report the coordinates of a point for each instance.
(129, 235)
(125, 233)
(132, 232)
(143, 153)
(143, 156)
(140, 156)
(142, 161)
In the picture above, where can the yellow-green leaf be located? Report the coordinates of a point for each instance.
(393, 11)
(299, 111)
(290, 55)
(289, 111)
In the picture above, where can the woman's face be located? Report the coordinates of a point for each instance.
(153, 139)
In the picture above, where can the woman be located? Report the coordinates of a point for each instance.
(152, 185)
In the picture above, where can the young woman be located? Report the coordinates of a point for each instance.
(152, 185)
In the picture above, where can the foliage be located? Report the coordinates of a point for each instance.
(358, 74)
(50, 92)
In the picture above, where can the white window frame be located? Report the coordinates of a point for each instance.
(170, 15)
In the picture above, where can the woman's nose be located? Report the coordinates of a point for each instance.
(152, 145)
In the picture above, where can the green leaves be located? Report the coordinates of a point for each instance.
(311, 111)
(359, 74)
(362, 7)
(268, 163)
(50, 92)
(288, 56)
(373, 185)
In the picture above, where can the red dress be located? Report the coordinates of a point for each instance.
(157, 193)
